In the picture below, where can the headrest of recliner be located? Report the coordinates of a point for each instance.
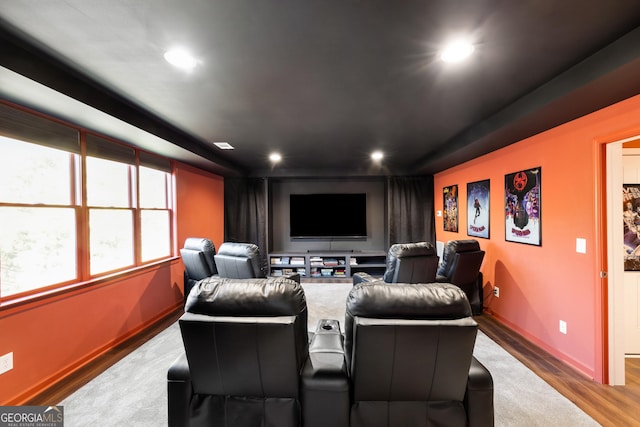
(216, 296)
(412, 249)
(378, 299)
(463, 245)
(199, 244)
(246, 250)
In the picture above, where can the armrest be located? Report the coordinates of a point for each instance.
(325, 382)
(293, 276)
(179, 392)
(479, 396)
(362, 277)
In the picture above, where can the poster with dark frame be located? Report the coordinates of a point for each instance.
(631, 226)
(478, 209)
(523, 212)
(450, 203)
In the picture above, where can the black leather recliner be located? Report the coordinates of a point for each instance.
(243, 261)
(461, 261)
(239, 261)
(407, 263)
(198, 258)
(245, 345)
(408, 361)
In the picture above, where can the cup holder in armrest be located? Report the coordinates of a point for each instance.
(327, 337)
(328, 326)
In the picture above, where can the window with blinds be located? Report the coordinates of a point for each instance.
(69, 217)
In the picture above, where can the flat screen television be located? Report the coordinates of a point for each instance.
(328, 216)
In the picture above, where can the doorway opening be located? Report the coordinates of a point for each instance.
(616, 333)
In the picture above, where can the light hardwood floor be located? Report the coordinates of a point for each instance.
(609, 406)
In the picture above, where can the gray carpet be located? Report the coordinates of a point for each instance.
(133, 391)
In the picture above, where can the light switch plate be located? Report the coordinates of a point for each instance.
(6, 362)
(563, 327)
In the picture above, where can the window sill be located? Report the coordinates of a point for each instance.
(52, 294)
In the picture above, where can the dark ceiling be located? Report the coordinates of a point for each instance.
(323, 82)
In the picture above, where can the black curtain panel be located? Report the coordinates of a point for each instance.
(411, 209)
(245, 212)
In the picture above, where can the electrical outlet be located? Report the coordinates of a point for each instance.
(6, 362)
(563, 327)
(496, 291)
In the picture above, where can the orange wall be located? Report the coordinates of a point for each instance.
(200, 206)
(541, 285)
(52, 337)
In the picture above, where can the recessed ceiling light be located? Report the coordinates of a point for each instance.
(223, 145)
(181, 58)
(275, 157)
(377, 155)
(456, 51)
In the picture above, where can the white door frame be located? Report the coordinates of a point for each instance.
(615, 268)
(631, 175)
(615, 265)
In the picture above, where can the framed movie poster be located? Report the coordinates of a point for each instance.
(631, 226)
(450, 195)
(478, 209)
(523, 214)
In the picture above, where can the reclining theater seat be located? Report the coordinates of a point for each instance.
(197, 256)
(409, 351)
(239, 261)
(245, 343)
(461, 261)
(407, 263)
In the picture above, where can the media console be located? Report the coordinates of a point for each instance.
(323, 265)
